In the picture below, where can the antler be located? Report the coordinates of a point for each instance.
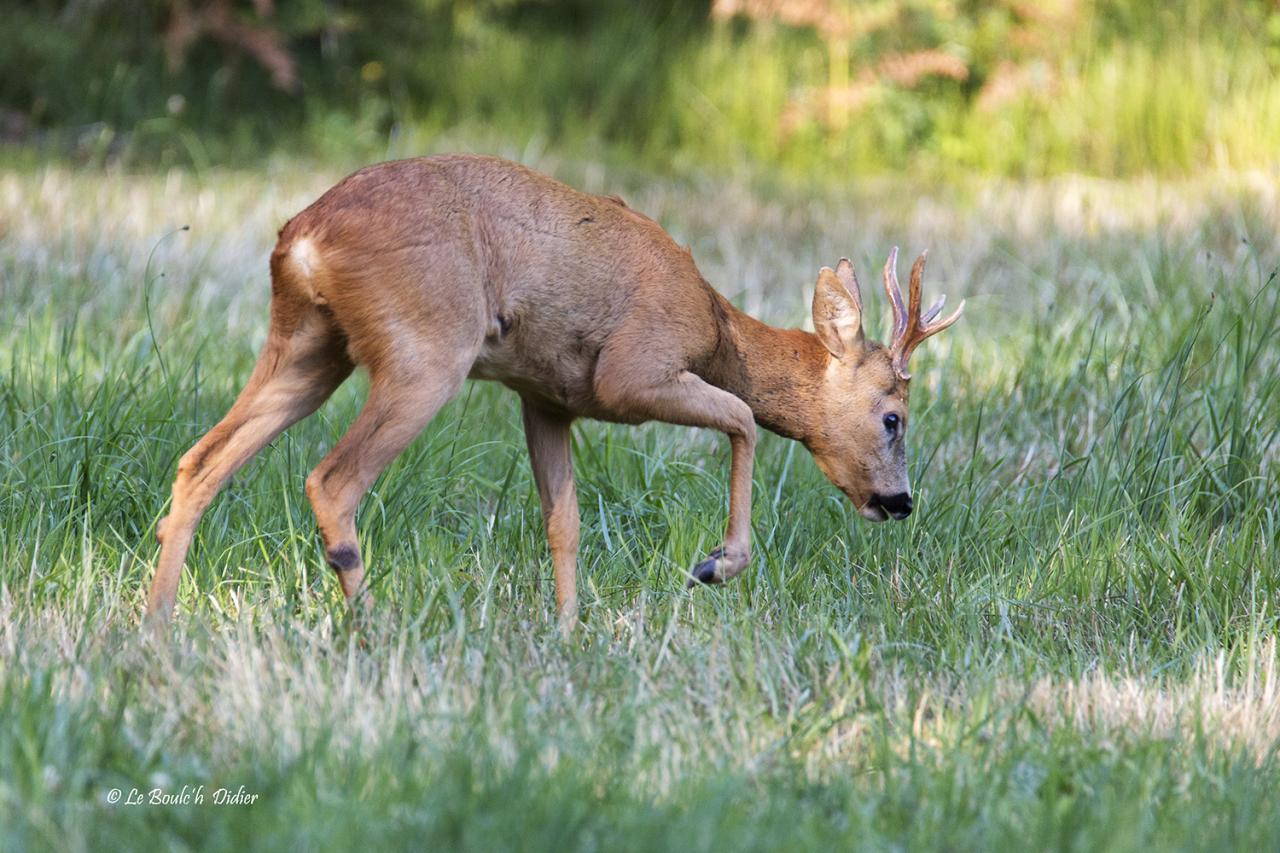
(910, 327)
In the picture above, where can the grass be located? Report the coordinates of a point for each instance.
(1070, 645)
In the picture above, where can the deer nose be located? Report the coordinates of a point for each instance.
(898, 506)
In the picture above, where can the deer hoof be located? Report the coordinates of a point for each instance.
(707, 572)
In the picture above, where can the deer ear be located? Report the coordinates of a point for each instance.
(837, 310)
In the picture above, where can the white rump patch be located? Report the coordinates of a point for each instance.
(306, 263)
(303, 255)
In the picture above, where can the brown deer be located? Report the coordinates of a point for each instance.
(433, 270)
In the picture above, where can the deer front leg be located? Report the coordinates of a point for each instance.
(549, 453)
(727, 561)
(689, 401)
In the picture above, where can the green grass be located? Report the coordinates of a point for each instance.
(1070, 645)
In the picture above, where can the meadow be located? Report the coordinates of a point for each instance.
(1071, 644)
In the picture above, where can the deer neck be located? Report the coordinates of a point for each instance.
(777, 372)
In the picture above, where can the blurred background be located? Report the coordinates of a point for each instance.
(808, 88)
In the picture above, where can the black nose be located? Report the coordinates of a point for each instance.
(899, 505)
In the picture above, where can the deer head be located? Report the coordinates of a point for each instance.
(860, 446)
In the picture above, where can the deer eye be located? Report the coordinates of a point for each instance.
(891, 423)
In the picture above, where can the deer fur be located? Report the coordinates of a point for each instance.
(430, 271)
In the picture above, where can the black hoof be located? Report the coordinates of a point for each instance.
(343, 558)
(705, 572)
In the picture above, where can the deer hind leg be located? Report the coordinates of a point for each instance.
(549, 453)
(301, 364)
(403, 398)
(687, 400)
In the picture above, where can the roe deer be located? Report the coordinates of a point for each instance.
(433, 270)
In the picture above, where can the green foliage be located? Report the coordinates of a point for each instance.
(1121, 87)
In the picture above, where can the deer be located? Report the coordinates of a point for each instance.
(430, 271)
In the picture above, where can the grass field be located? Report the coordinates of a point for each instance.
(1070, 644)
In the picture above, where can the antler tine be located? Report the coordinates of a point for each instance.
(933, 310)
(894, 292)
(933, 328)
(913, 306)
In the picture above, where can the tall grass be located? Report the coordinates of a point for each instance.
(1070, 644)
